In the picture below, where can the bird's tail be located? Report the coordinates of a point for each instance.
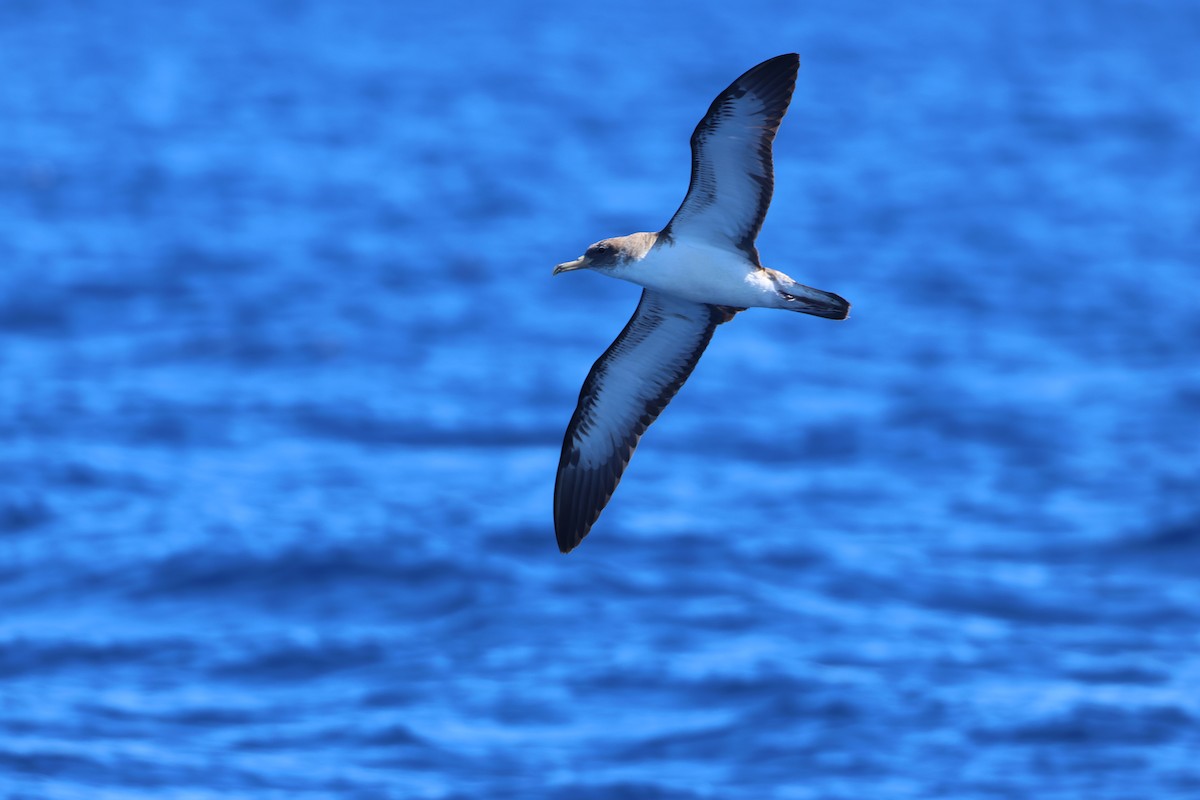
(807, 300)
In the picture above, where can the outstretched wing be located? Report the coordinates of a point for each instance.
(625, 391)
(732, 172)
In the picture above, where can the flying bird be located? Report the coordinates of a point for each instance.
(696, 273)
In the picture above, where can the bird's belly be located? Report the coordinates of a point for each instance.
(702, 275)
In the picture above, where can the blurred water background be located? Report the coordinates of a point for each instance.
(284, 375)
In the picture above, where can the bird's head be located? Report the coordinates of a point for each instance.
(601, 256)
(608, 255)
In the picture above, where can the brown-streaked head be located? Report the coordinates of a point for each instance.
(611, 253)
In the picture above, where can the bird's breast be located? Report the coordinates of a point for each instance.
(702, 274)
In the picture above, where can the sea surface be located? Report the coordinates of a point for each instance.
(284, 376)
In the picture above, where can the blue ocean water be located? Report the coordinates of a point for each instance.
(284, 375)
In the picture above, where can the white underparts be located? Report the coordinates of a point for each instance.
(703, 273)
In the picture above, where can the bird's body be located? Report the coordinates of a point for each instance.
(697, 272)
(705, 273)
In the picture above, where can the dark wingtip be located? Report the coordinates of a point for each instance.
(568, 540)
(565, 533)
(787, 62)
(576, 507)
(777, 74)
